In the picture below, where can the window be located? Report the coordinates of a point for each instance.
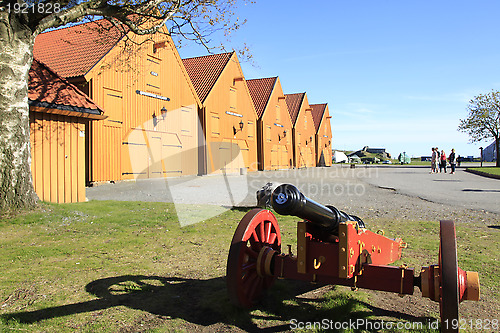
(250, 130)
(186, 120)
(152, 74)
(214, 124)
(232, 98)
(113, 104)
(268, 133)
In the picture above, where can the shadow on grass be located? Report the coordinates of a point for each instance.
(205, 302)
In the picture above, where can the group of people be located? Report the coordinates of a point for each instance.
(439, 161)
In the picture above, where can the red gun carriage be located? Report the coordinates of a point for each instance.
(336, 248)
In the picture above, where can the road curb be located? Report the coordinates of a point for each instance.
(484, 174)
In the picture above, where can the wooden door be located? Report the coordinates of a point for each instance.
(172, 155)
(155, 169)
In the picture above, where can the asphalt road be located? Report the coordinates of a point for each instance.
(198, 198)
(460, 189)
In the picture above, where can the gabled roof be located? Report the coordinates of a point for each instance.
(73, 51)
(318, 111)
(294, 101)
(205, 70)
(48, 90)
(260, 90)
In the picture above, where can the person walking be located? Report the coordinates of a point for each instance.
(438, 160)
(453, 161)
(433, 160)
(442, 162)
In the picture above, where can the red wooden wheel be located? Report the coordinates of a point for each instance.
(448, 275)
(258, 228)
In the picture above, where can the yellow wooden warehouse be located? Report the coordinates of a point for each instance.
(141, 83)
(59, 114)
(304, 132)
(274, 126)
(228, 116)
(321, 118)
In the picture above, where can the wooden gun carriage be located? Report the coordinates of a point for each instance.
(334, 247)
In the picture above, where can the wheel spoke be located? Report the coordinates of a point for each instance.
(251, 252)
(255, 288)
(267, 231)
(248, 266)
(272, 238)
(248, 278)
(255, 237)
(255, 245)
(262, 235)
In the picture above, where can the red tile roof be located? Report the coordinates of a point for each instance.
(205, 70)
(73, 51)
(260, 90)
(317, 112)
(294, 101)
(48, 90)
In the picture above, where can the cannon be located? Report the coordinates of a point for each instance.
(336, 248)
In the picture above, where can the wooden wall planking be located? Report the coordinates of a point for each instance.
(112, 151)
(324, 139)
(57, 152)
(276, 152)
(220, 134)
(305, 146)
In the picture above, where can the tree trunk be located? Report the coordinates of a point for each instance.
(16, 56)
(497, 143)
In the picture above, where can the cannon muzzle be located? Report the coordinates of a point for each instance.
(288, 200)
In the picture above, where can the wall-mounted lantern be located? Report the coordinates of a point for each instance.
(163, 113)
(284, 133)
(241, 127)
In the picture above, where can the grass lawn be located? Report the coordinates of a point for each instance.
(105, 266)
(488, 170)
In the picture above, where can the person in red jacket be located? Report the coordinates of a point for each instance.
(442, 161)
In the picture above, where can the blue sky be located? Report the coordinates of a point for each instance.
(395, 74)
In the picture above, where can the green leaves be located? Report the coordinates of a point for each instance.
(483, 121)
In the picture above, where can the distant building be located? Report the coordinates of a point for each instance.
(339, 157)
(321, 118)
(355, 153)
(152, 128)
(489, 153)
(59, 116)
(274, 125)
(374, 150)
(366, 149)
(303, 132)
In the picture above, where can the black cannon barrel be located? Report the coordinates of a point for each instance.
(288, 200)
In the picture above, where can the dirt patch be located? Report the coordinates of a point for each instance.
(21, 298)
